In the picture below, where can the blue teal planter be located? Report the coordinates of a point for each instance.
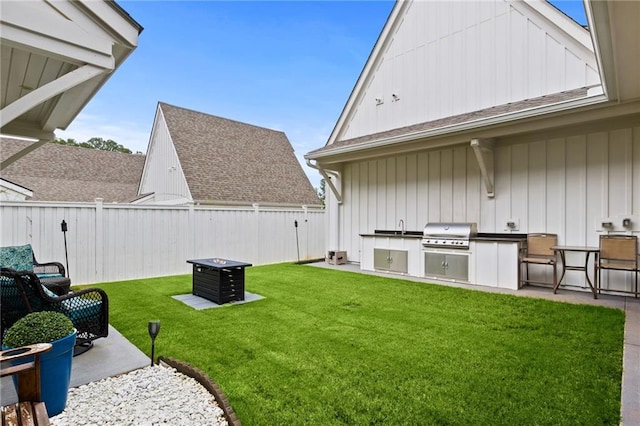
(55, 374)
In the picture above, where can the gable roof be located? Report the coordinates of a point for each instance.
(66, 173)
(226, 161)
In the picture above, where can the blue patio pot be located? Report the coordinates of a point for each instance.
(55, 374)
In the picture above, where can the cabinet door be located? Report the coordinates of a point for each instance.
(434, 264)
(457, 266)
(381, 259)
(398, 261)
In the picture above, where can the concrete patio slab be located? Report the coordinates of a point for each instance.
(631, 365)
(199, 303)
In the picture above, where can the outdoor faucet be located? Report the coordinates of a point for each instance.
(401, 225)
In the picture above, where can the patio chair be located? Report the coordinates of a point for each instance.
(88, 309)
(619, 253)
(30, 409)
(22, 258)
(539, 252)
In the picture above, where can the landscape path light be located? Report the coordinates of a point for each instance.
(154, 329)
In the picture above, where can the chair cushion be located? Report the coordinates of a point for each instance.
(19, 258)
(78, 313)
(539, 259)
(41, 276)
(618, 264)
(49, 292)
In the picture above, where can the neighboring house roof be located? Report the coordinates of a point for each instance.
(226, 161)
(66, 173)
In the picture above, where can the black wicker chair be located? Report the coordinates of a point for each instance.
(49, 268)
(52, 274)
(22, 293)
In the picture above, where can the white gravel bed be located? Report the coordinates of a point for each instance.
(156, 395)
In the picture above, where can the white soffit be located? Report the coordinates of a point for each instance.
(55, 57)
(615, 31)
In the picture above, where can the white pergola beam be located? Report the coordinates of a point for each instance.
(57, 49)
(48, 91)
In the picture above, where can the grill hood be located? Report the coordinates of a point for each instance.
(448, 234)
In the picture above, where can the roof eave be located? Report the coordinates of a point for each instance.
(482, 123)
(600, 30)
(16, 187)
(256, 204)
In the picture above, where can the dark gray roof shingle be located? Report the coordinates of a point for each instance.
(66, 173)
(229, 161)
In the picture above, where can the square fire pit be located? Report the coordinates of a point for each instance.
(218, 280)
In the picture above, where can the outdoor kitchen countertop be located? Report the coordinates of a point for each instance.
(482, 236)
(394, 234)
(516, 238)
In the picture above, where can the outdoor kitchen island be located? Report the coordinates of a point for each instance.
(218, 280)
(487, 259)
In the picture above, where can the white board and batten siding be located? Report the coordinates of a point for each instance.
(446, 58)
(566, 185)
(162, 169)
(113, 242)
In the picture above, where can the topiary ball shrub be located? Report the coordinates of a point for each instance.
(38, 327)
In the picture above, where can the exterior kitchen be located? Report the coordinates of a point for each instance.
(474, 124)
(447, 252)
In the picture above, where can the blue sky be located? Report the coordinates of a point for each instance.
(284, 65)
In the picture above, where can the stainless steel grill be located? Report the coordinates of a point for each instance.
(448, 235)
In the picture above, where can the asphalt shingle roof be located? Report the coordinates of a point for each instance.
(228, 161)
(66, 173)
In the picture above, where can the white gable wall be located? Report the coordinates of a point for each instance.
(162, 172)
(448, 58)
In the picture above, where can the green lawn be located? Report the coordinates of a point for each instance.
(331, 347)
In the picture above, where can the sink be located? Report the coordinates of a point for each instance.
(397, 232)
(387, 232)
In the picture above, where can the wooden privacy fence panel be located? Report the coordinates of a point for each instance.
(113, 242)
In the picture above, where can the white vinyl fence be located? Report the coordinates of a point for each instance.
(113, 242)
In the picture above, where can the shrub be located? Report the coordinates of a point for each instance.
(38, 327)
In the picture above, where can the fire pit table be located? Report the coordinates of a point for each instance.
(218, 280)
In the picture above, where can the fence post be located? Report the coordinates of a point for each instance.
(306, 232)
(191, 236)
(99, 247)
(256, 232)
